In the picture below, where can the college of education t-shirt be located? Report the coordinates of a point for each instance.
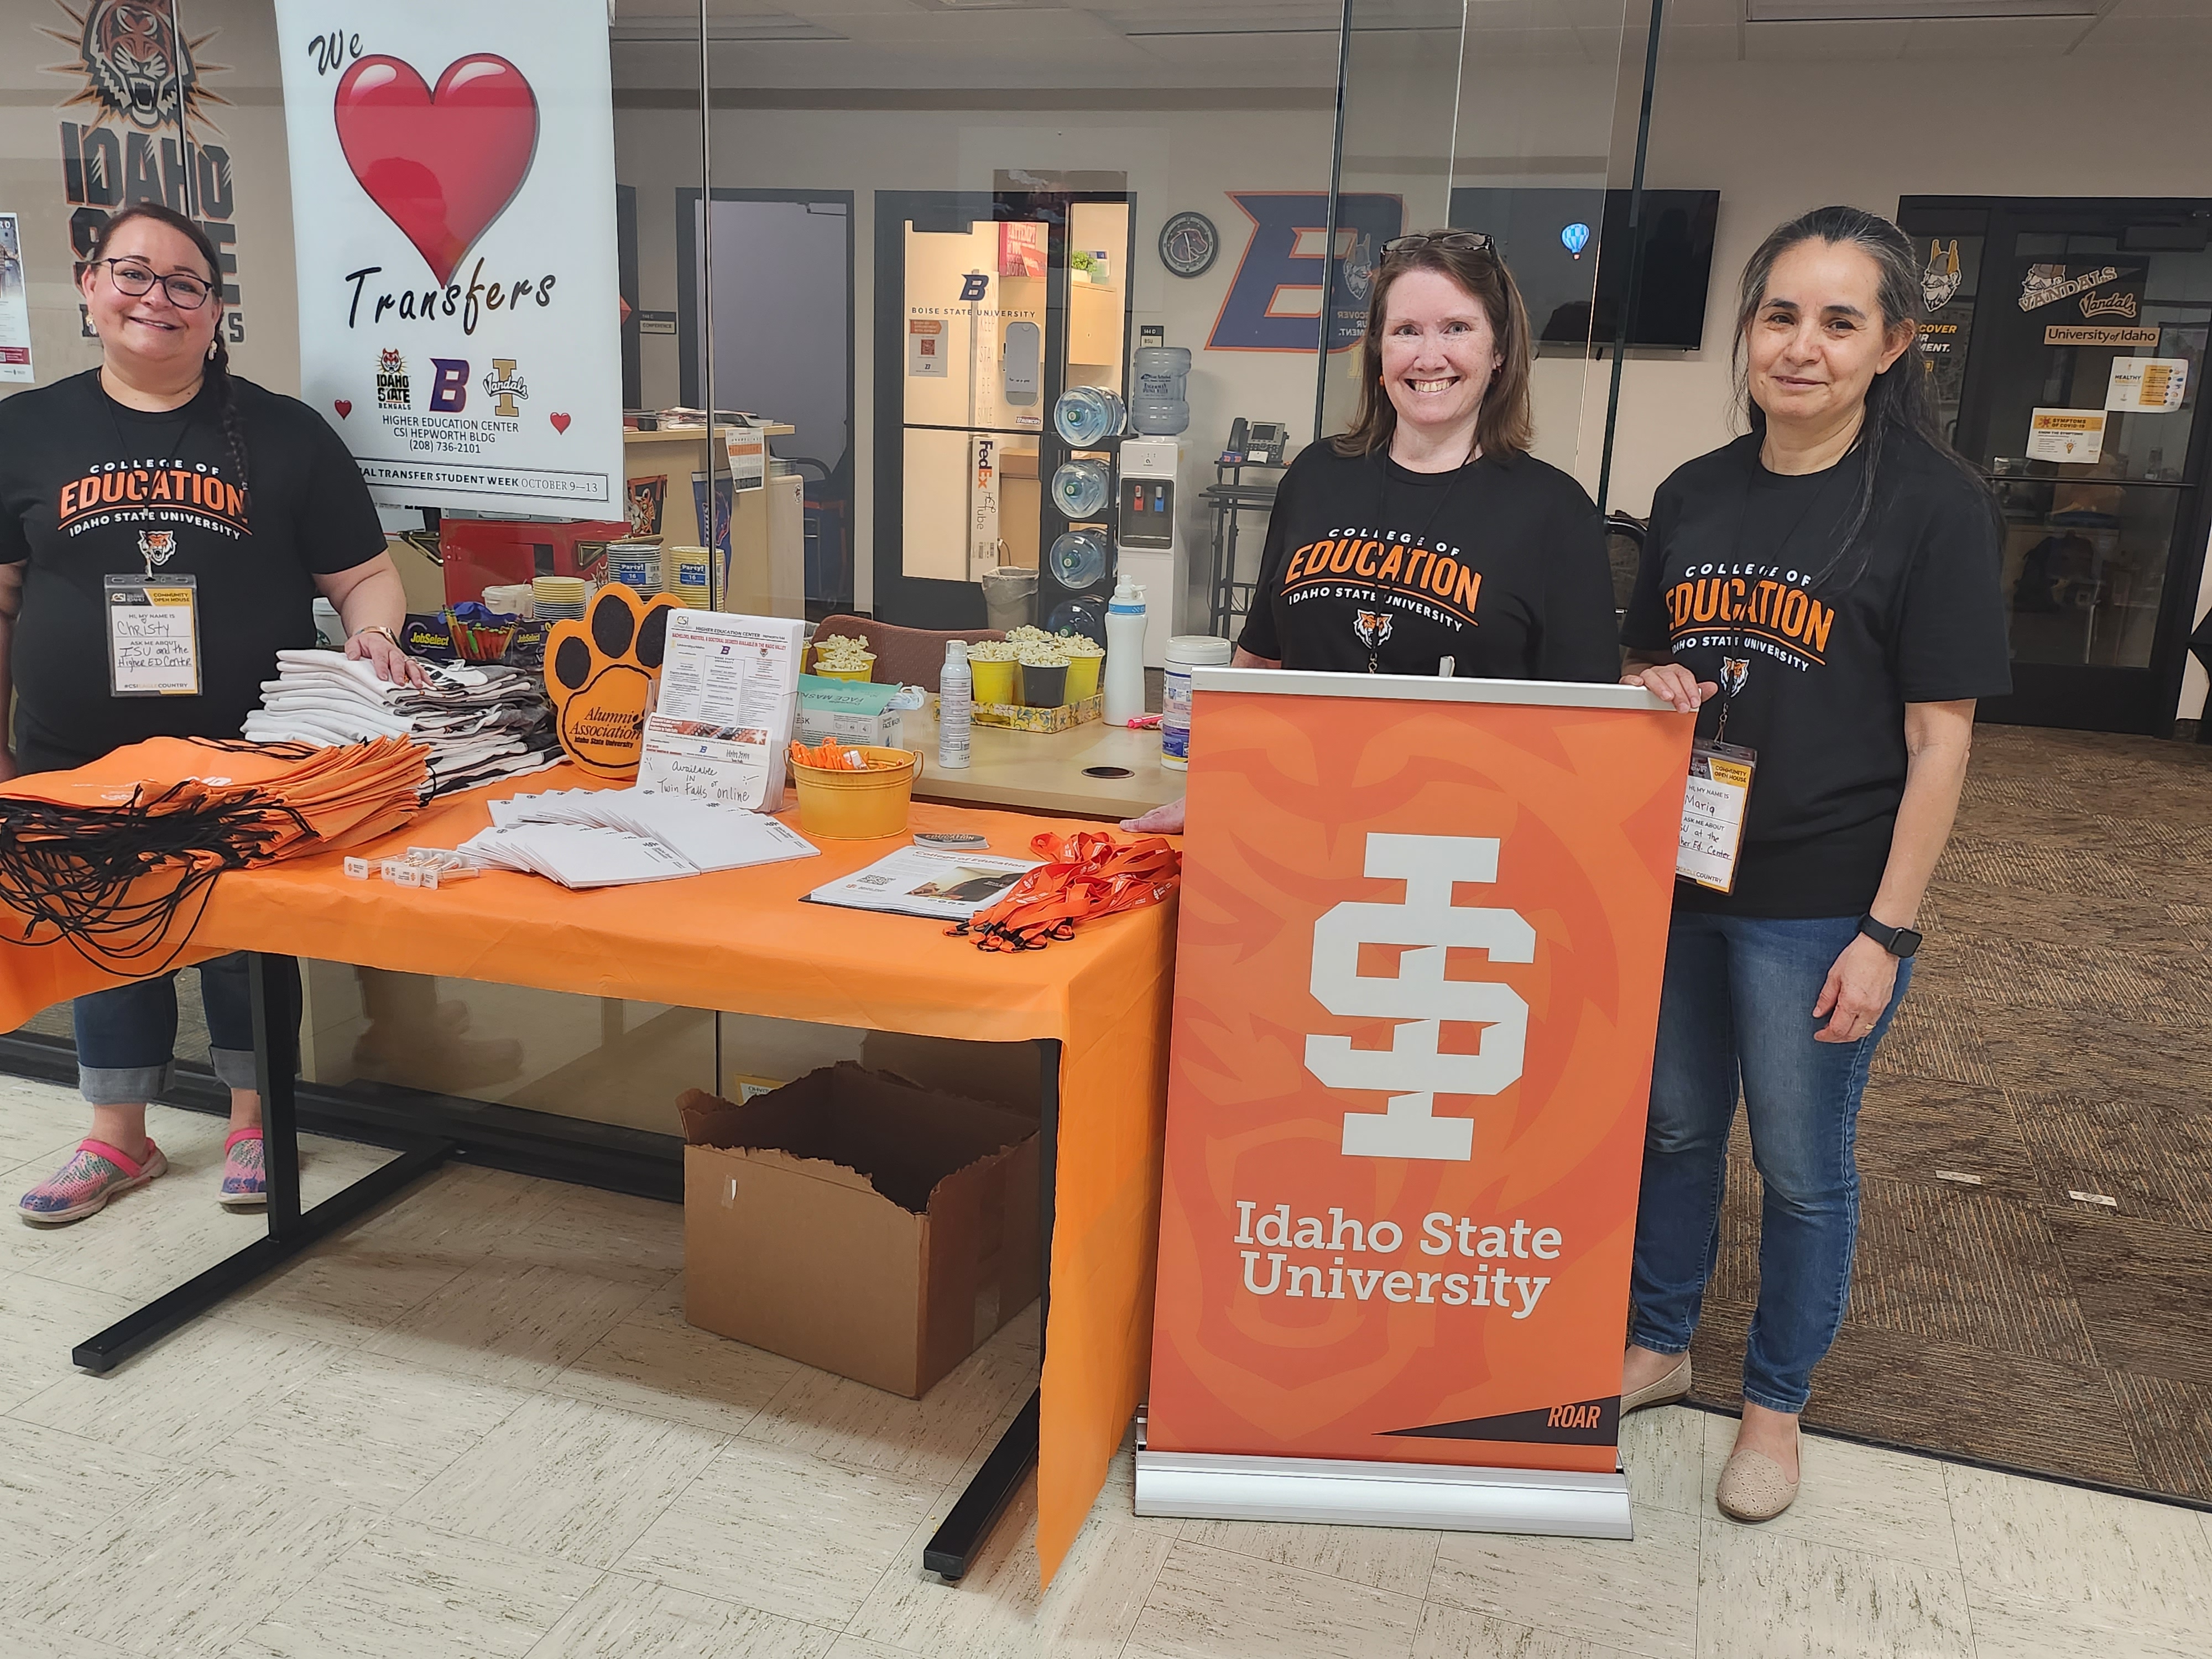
(1821, 669)
(88, 488)
(1499, 565)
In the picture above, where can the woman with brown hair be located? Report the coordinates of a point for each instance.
(1426, 540)
(160, 461)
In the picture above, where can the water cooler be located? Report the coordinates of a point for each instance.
(1147, 537)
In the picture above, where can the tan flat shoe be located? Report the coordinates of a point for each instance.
(1662, 1392)
(1752, 1487)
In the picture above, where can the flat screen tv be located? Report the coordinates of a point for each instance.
(1534, 228)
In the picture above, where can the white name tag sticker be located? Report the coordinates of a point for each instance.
(152, 637)
(1713, 812)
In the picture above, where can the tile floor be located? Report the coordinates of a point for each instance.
(477, 1426)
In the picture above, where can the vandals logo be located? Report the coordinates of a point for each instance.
(2108, 305)
(503, 386)
(1941, 280)
(145, 141)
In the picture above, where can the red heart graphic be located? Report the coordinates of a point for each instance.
(442, 165)
(344, 407)
(560, 422)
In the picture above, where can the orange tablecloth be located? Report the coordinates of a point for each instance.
(742, 942)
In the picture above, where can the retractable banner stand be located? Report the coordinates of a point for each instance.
(1422, 928)
(454, 216)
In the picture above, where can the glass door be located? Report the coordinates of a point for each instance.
(2067, 342)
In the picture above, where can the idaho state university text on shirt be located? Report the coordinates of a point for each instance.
(150, 492)
(1765, 606)
(1390, 566)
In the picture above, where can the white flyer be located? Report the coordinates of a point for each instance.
(14, 304)
(454, 222)
(729, 695)
(2146, 385)
(2075, 435)
(747, 448)
(921, 881)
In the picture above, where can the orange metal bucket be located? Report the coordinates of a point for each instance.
(858, 806)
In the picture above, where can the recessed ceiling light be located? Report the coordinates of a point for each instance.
(1908, 11)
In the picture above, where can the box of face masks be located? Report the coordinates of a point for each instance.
(851, 711)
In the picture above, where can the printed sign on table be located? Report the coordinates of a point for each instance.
(453, 215)
(1417, 985)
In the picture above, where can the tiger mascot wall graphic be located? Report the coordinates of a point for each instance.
(136, 67)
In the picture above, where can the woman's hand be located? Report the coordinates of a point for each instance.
(1162, 820)
(1858, 990)
(382, 653)
(1674, 683)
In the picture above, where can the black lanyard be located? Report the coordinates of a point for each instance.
(1443, 498)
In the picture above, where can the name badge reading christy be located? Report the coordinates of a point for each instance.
(152, 637)
(1712, 813)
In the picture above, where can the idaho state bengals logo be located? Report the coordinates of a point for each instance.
(136, 64)
(155, 546)
(1733, 671)
(1373, 628)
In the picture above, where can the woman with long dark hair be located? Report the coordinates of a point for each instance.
(1426, 540)
(1825, 591)
(162, 465)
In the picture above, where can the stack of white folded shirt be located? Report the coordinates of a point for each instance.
(612, 837)
(480, 722)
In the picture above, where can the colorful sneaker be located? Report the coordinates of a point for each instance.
(244, 1175)
(94, 1174)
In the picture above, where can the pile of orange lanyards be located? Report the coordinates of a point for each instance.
(110, 856)
(831, 756)
(1083, 876)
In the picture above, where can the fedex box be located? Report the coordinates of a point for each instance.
(860, 1224)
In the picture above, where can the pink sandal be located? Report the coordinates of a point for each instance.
(95, 1173)
(245, 1172)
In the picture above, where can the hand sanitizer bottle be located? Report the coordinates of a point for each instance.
(956, 699)
(1125, 653)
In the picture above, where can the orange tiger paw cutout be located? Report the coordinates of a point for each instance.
(600, 673)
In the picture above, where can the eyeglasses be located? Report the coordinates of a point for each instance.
(1453, 241)
(134, 278)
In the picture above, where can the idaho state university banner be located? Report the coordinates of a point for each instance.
(1423, 928)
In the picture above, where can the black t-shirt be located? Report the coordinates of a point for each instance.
(1822, 670)
(1372, 568)
(86, 482)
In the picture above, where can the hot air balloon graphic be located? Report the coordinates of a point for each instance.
(1575, 238)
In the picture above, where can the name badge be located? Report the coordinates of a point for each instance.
(1712, 813)
(152, 637)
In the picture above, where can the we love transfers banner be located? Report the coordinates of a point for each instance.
(1417, 983)
(454, 218)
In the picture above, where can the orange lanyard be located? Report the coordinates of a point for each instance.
(1085, 876)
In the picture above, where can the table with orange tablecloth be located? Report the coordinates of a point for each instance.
(743, 942)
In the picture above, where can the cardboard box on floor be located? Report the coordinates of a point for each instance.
(858, 1223)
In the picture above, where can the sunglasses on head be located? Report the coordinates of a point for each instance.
(1453, 241)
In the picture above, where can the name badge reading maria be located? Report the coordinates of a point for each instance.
(1712, 813)
(152, 637)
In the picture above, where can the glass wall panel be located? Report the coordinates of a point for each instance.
(1512, 118)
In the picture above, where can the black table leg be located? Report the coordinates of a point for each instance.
(959, 1538)
(276, 1059)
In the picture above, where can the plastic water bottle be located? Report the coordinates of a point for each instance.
(955, 703)
(1125, 652)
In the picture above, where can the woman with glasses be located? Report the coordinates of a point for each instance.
(1426, 540)
(1827, 587)
(159, 471)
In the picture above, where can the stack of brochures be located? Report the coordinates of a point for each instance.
(729, 688)
(922, 881)
(616, 837)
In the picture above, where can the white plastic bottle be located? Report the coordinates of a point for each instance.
(955, 703)
(1125, 652)
(1185, 652)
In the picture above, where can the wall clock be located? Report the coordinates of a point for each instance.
(1190, 243)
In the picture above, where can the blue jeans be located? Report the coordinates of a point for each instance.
(1737, 1008)
(126, 1037)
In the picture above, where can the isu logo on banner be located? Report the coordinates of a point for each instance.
(1417, 982)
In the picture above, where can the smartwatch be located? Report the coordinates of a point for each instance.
(1899, 942)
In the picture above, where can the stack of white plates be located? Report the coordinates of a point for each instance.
(555, 599)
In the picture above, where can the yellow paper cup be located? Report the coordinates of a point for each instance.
(994, 680)
(867, 671)
(1083, 678)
